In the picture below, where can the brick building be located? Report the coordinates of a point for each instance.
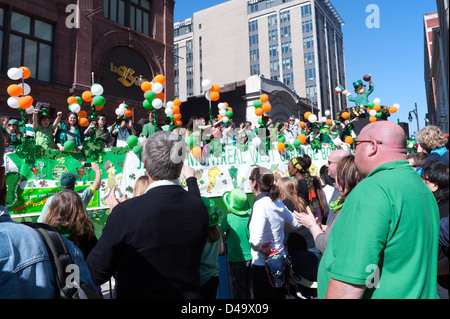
(67, 44)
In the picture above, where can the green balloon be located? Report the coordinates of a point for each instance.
(150, 95)
(137, 149)
(171, 118)
(229, 114)
(132, 140)
(297, 142)
(260, 121)
(69, 145)
(79, 100)
(378, 114)
(147, 105)
(98, 100)
(370, 104)
(281, 138)
(257, 103)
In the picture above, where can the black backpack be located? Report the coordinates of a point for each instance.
(61, 259)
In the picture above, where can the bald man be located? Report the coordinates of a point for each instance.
(333, 160)
(384, 243)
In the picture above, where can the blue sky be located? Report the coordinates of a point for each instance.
(393, 53)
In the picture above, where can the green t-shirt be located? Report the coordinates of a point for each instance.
(388, 229)
(44, 138)
(149, 129)
(238, 234)
(209, 266)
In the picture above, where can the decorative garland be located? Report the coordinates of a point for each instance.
(29, 151)
(12, 180)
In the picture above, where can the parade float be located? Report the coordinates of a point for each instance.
(33, 173)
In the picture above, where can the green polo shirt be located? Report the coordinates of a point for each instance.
(236, 227)
(388, 230)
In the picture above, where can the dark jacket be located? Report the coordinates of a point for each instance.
(153, 244)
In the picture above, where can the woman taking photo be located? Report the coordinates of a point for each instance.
(347, 177)
(266, 228)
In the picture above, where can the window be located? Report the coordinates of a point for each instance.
(274, 66)
(253, 26)
(272, 20)
(273, 50)
(309, 58)
(254, 69)
(310, 74)
(307, 26)
(285, 16)
(254, 55)
(286, 47)
(308, 42)
(269, 3)
(189, 71)
(286, 31)
(273, 35)
(287, 63)
(288, 78)
(189, 57)
(253, 40)
(30, 43)
(189, 45)
(134, 14)
(306, 11)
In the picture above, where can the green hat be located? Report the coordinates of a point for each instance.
(212, 213)
(358, 84)
(68, 181)
(236, 202)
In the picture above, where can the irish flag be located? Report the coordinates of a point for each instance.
(338, 89)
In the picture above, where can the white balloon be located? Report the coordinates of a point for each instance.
(223, 112)
(337, 141)
(206, 84)
(122, 105)
(97, 89)
(323, 119)
(75, 108)
(119, 111)
(397, 106)
(14, 73)
(13, 102)
(256, 141)
(222, 106)
(312, 118)
(30, 110)
(373, 113)
(168, 111)
(26, 88)
(327, 113)
(377, 101)
(157, 103)
(207, 96)
(157, 87)
(169, 104)
(224, 119)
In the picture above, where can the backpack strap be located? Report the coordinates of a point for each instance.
(58, 252)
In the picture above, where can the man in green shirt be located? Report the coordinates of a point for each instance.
(149, 128)
(362, 97)
(384, 243)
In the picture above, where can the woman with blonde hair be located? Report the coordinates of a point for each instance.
(69, 216)
(141, 186)
(432, 141)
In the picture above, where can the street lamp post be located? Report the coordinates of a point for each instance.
(410, 118)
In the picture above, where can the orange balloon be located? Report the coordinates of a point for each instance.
(280, 146)
(25, 102)
(349, 140)
(219, 117)
(329, 122)
(345, 116)
(266, 107)
(196, 151)
(307, 114)
(176, 116)
(377, 107)
(214, 96)
(176, 102)
(393, 109)
(83, 121)
(26, 72)
(176, 109)
(128, 112)
(373, 119)
(72, 100)
(215, 88)
(264, 98)
(146, 86)
(259, 111)
(302, 124)
(177, 122)
(98, 108)
(229, 109)
(302, 138)
(82, 114)
(160, 96)
(87, 96)
(160, 79)
(14, 90)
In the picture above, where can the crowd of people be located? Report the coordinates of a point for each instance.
(53, 135)
(373, 224)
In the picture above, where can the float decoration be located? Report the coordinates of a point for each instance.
(153, 94)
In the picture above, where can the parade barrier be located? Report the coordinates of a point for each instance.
(29, 185)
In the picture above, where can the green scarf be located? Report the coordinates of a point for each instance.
(335, 206)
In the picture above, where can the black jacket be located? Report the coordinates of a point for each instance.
(153, 244)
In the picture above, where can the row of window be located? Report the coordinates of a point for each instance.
(134, 14)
